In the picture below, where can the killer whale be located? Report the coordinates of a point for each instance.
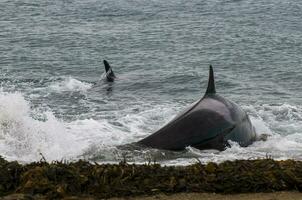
(109, 72)
(210, 123)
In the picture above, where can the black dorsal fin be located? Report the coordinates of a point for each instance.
(107, 66)
(109, 72)
(211, 84)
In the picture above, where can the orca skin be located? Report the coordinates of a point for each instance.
(208, 124)
(109, 72)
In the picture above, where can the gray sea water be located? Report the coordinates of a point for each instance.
(54, 100)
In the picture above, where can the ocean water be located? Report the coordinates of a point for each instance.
(54, 100)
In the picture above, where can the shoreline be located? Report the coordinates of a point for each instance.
(291, 195)
(59, 180)
(285, 195)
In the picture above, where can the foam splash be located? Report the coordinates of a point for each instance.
(127, 126)
(24, 138)
(70, 84)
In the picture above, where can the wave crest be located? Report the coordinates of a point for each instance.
(24, 138)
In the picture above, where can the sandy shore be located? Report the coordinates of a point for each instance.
(207, 196)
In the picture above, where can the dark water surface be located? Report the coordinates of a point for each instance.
(54, 101)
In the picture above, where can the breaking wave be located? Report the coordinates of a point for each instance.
(24, 138)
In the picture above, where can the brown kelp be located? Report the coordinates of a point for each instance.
(82, 178)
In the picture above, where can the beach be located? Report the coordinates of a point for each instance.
(242, 179)
(188, 196)
(207, 196)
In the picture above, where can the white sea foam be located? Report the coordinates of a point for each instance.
(70, 84)
(103, 136)
(23, 138)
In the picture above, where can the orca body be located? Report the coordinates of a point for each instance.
(109, 72)
(208, 124)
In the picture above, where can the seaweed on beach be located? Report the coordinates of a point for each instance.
(81, 178)
(9, 176)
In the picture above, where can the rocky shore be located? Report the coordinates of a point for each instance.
(57, 180)
(294, 195)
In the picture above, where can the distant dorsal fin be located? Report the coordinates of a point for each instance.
(211, 84)
(109, 72)
(107, 66)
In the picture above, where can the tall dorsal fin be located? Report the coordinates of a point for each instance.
(109, 72)
(107, 66)
(211, 83)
